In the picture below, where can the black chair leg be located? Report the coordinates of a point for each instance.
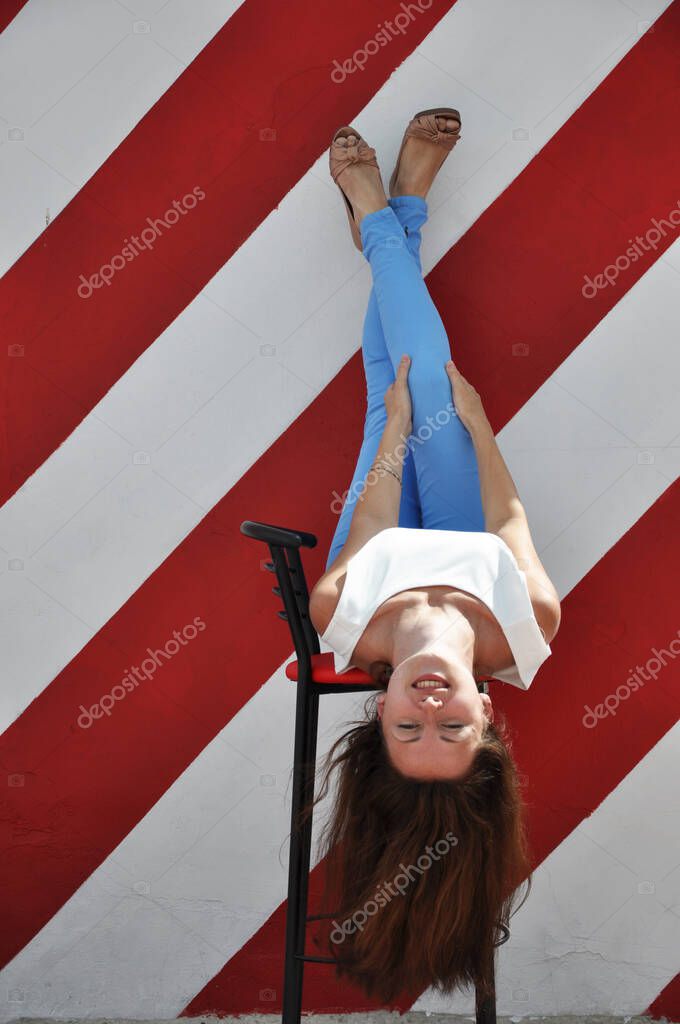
(304, 763)
(485, 1007)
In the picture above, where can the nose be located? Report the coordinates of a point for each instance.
(432, 700)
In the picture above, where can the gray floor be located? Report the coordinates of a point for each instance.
(348, 1018)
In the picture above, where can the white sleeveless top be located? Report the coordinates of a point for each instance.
(403, 558)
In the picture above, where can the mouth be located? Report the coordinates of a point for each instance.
(430, 683)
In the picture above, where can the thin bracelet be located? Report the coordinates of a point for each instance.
(389, 470)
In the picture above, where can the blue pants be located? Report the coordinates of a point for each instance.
(440, 488)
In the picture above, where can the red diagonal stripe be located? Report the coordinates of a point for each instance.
(9, 10)
(666, 1006)
(126, 762)
(622, 608)
(74, 349)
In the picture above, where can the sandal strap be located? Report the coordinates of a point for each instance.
(425, 127)
(343, 157)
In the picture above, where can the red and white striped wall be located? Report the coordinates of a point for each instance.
(144, 850)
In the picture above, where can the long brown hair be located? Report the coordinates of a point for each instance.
(419, 875)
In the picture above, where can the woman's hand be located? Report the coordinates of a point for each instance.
(466, 400)
(398, 398)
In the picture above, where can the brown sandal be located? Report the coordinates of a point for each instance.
(423, 125)
(342, 157)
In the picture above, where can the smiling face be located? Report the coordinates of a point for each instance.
(433, 717)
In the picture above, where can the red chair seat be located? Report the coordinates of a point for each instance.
(323, 672)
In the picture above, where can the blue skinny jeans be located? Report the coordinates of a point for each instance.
(440, 489)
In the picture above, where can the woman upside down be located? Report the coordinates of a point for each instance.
(432, 583)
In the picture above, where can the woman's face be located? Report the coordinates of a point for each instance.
(432, 717)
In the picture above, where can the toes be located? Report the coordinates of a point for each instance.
(447, 124)
(346, 140)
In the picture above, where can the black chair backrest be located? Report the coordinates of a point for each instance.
(284, 546)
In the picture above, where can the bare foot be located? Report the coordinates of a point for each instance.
(361, 183)
(420, 161)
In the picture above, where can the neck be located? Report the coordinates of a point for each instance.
(434, 628)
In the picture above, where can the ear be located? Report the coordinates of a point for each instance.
(380, 703)
(487, 706)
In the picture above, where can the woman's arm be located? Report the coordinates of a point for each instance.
(500, 501)
(504, 513)
(377, 507)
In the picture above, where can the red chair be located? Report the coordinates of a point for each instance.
(313, 672)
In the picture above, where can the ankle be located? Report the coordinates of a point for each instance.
(408, 188)
(373, 207)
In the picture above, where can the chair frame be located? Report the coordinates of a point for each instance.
(286, 563)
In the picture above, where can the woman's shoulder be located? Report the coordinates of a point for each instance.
(324, 597)
(328, 590)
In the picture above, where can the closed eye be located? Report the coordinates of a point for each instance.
(447, 725)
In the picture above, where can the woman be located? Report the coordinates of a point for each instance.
(432, 582)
